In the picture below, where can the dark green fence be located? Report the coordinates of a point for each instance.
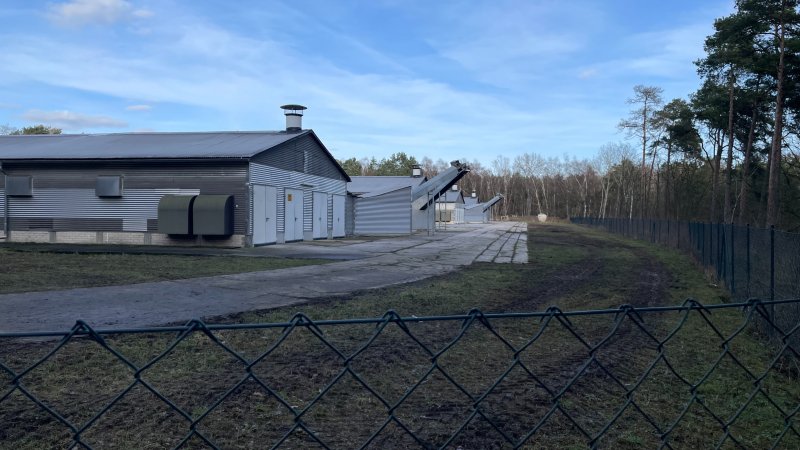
(751, 262)
(688, 376)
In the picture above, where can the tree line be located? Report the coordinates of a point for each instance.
(726, 153)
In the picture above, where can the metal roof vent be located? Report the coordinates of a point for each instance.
(416, 171)
(455, 187)
(294, 117)
(474, 194)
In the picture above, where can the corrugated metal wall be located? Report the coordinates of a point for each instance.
(330, 211)
(64, 198)
(261, 174)
(82, 210)
(475, 215)
(2, 206)
(303, 155)
(349, 215)
(388, 213)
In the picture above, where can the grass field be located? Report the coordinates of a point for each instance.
(571, 267)
(29, 268)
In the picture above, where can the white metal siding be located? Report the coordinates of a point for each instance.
(261, 174)
(2, 205)
(388, 213)
(349, 215)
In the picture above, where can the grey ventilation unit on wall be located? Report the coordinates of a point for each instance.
(108, 186)
(19, 185)
(175, 214)
(213, 215)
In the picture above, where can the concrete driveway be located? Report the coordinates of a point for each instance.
(367, 264)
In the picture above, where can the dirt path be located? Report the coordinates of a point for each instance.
(383, 262)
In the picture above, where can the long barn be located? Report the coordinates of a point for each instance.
(196, 188)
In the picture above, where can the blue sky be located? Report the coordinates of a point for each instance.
(444, 79)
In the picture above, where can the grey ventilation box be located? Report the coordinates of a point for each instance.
(19, 185)
(213, 215)
(175, 214)
(108, 186)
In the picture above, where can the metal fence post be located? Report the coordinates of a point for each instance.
(748, 260)
(702, 244)
(733, 259)
(771, 276)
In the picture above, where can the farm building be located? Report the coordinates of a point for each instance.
(471, 200)
(450, 206)
(400, 204)
(481, 212)
(210, 188)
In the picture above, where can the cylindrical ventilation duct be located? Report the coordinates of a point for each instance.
(294, 117)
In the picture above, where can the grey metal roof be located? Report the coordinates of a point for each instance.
(376, 185)
(486, 205)
(493, 200)
(469, 201)
(438, 185)
(450, 196)
(233, 144)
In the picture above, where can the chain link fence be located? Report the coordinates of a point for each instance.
(688, 376)
(750, 262)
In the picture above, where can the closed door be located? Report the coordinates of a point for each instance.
(265, 212)
(320, 215)
(338, 216)
(293, 215)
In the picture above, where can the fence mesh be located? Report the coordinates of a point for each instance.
(688, 376)
(750, 262)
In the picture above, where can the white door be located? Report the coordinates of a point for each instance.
(293, 215)
(338, 216)
(265, 212)
(320, 215)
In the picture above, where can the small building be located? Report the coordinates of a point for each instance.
(481, 212)
(471, 200)
(450, 206)
(401, 204)
(192, 188)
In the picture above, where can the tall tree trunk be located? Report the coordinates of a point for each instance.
(667, 192)
(715, 175)
(744, 193)
(650, 183)
(727, 215)
(777, 135)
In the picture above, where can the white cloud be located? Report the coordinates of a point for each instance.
(69, 120)
(84, 12)
(588, 73)
(138, 108)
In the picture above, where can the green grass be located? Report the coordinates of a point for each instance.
(25, 271)
(572, 268)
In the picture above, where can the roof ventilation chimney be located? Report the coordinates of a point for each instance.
(474, 194)
(455, 187)
(294, 117)
(416, 171)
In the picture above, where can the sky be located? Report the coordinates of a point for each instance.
(469, 80)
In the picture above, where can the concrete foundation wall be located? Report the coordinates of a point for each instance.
(124, 238)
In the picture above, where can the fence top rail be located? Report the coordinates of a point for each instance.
(81, 328)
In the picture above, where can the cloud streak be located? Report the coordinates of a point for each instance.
(138, 108)
(70, 120)
(85, 12)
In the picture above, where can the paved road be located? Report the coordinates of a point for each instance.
(370, 264)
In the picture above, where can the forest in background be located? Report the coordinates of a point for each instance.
(729, 152)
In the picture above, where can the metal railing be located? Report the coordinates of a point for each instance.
(688, 376)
